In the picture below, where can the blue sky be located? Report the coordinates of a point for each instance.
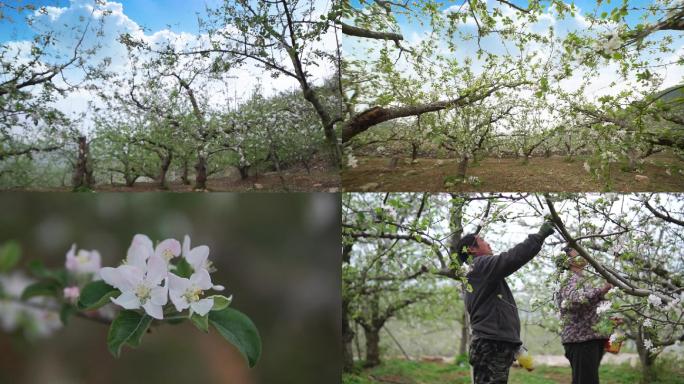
(155, 15)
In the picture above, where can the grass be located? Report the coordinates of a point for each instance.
(553, 174)
(417, 372)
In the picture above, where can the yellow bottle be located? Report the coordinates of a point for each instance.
(525, 360)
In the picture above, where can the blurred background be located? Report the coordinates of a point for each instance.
(277, 254)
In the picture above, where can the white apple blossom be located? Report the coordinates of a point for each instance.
(648, 344)
(140, 283)
(352, 161)
(614, 337)
(83, 262)
(648, 323)
(654, 300)
(603, 307)
(198, 258)
(186, 293)
(41, 322)
(168, 249)
(613, 43)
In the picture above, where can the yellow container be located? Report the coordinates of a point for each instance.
(526, 361)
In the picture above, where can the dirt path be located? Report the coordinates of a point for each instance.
(552, 174)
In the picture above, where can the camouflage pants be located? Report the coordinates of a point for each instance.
(491, 360)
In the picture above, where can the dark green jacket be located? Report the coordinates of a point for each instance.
(490, 304)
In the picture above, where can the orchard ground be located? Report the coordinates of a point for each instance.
(296, 180)
(414, 372)
(552, 174)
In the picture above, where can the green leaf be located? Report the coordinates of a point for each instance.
(66, 312)
(96, 294)
(201, 322)
(220, 302)
(38, 269)
(183, 268)
(127, 328)
(240, 331)
(41, 288)
(10, 253)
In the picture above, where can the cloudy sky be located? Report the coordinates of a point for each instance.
(154, 21)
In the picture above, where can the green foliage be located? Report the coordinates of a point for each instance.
(66, 312)
(10, 253)
(220, 302)
(39, 270)
(96, 294)
(42, 288)
(183, 268)
(238, 330)
(201, 322)
(127, 328)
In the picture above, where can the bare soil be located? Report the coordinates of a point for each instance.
(553, 174)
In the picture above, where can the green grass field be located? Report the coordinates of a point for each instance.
(415, 372)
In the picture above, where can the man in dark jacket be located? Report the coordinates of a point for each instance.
(494, 320)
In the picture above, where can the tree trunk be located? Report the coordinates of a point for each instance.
(372, 347)
(244, 172)
(185, 177)
(130, 179)
(465, 334)
(462, 167)
(648, 373)
(163, 170)
(201, 175)
(347, 338)
(633, 157)
(82, 176)
(414, 151)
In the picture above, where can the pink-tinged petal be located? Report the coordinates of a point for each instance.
(71, 262)
(157, 270)
(203, 306)
(142, 240)
(133, 275)
(124, 277)
(201, 279)
(137, 255)
(198, 257)
(168, 248)
(178, 284)
(128, 300)
(178, 301)
(160, 295)
(186, 246)
(154, 310)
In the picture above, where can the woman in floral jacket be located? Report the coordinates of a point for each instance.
(578, 300)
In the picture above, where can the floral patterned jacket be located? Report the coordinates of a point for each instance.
(578, 300)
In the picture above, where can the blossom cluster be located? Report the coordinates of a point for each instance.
(14, 314)
(148, 278)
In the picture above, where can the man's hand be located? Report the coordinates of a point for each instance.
(546, 230)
